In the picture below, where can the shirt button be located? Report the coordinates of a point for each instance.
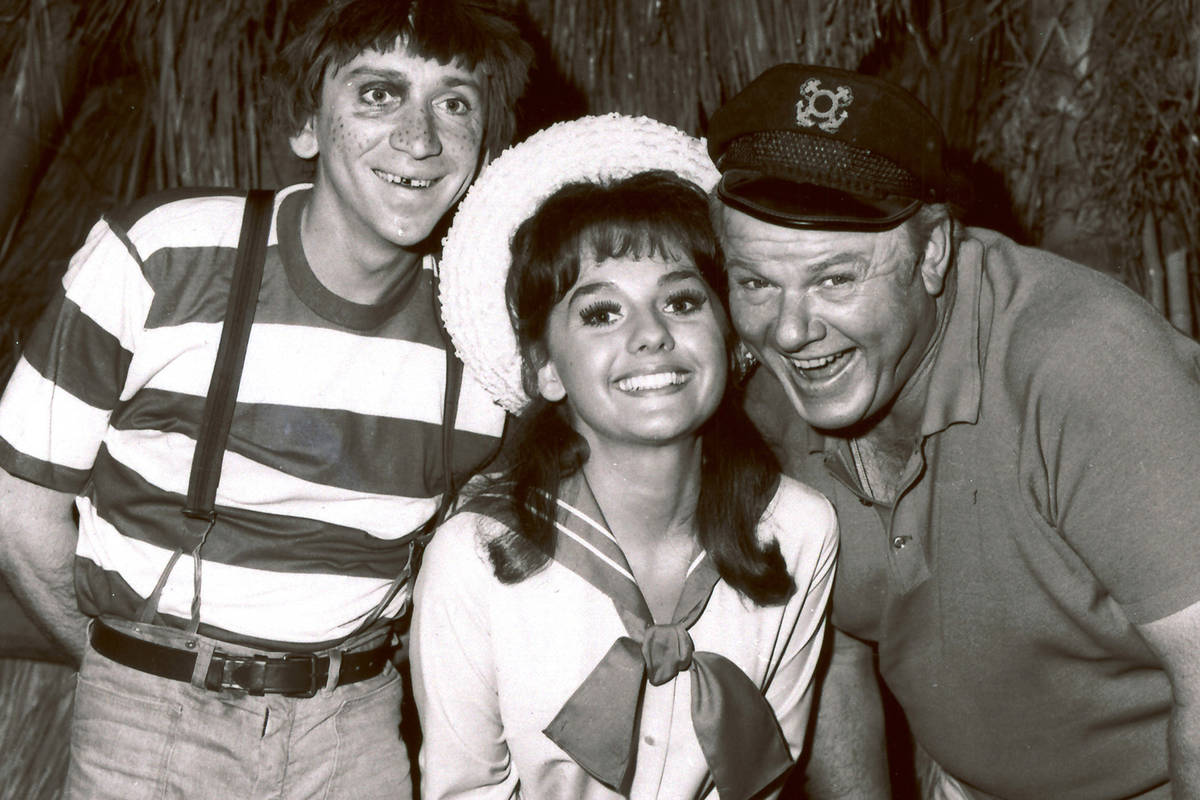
(899, 542)
(649, 740)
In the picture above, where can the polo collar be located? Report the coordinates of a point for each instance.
(956, 378)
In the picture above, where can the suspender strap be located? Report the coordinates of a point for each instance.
(231, 355)
(222, 392)
(454, 370)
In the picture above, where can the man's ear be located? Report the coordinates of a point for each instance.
(937, 255)
(549, 384)
(304, 144)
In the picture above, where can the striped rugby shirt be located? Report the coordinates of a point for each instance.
(335, 448)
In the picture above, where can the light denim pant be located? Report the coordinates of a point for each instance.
(136, 735)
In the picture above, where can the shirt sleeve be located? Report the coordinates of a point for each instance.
(790, 691)
(463, 749)
(1111, 454)
(56, 407)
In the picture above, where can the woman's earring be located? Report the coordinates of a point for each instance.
(744, 362)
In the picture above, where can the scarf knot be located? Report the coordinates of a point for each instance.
(667, 651)
(597, 726)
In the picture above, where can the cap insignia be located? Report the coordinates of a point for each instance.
(824, 108)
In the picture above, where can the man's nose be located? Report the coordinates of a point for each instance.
(798, 324)
(650, 333)
(415, 133)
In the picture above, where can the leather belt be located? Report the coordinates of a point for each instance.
(294, 675)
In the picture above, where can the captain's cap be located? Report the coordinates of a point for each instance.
(816, 147)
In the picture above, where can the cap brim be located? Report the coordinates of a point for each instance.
(806, 205)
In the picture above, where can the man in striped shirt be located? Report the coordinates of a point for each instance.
(249, 667)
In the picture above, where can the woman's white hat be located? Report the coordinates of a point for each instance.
(476, 255)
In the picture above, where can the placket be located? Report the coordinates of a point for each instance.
(907, 564)
(654, 737)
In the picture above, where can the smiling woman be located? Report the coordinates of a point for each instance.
(638, 349)
(641, 563)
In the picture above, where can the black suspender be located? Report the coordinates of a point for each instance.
(222, 394)
(231, 355)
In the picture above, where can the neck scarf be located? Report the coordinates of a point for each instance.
(737, 729)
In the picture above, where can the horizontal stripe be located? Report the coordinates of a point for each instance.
(52, 476)
(191, 275)
(268, 605)
(241, 537)
(164, 460)
(192, 285)
(127, 216)
(124, 603)
(323, 474)
(306, 367)
(334, 448)
(193, 222)
(47, 423)
(85, 360)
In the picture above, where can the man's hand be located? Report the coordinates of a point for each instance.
(1175, 639)
(37, 554)
(849, 758)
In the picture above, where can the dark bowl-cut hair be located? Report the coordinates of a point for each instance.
(649, 214)
(473, 33)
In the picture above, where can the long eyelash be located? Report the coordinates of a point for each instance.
(592, 313)
(695, 296)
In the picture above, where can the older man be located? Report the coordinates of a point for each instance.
(1012, 442)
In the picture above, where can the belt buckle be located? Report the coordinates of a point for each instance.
(313, 685)
(247, 673)
(244, 673)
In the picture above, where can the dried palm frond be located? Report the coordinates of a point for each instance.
(203, 66)
(677, 60)
(1096, 119)
(35, 715)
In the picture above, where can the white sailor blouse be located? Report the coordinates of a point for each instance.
(505, 674)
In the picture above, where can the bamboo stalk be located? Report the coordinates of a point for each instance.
(1152, 264)
(1179, 304)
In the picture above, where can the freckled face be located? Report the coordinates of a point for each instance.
(637, 348)
(399, 139)
(841, 318)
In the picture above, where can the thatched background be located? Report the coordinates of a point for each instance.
(1076, 120)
